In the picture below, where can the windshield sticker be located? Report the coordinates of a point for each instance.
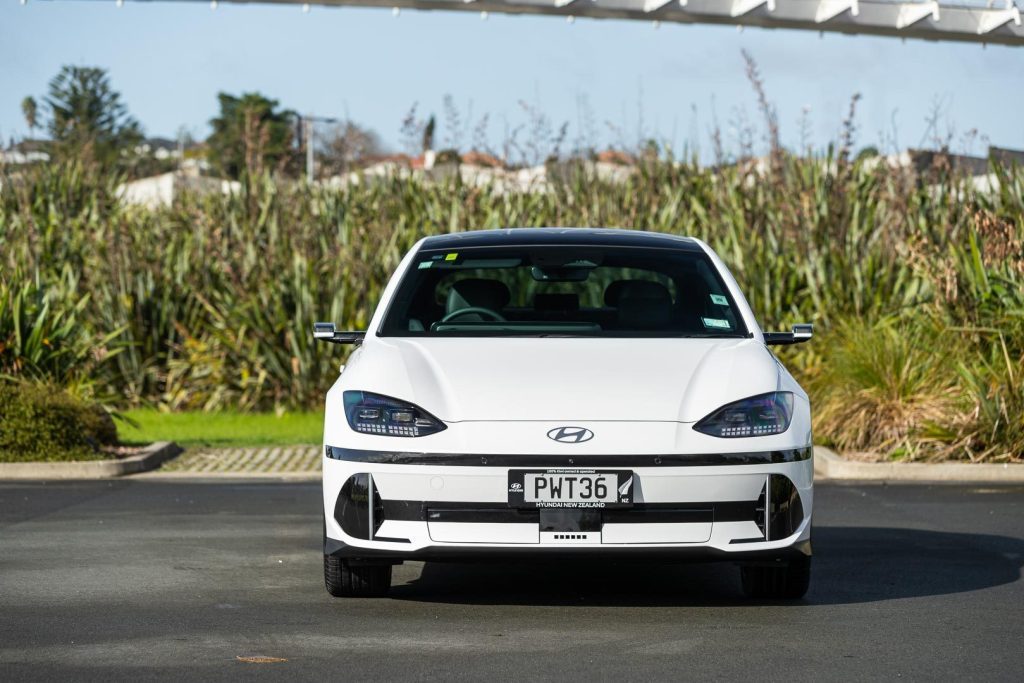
(719, 299)
(451, 257)
(717, 323)
(425, 264)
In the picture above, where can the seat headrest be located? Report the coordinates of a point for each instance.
(613, 291)
(694, 295)
(644, 304)
(490, 294)
(643, 289)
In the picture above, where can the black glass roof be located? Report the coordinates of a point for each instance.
(558, 237)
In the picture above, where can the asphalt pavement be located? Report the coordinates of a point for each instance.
(149, 579)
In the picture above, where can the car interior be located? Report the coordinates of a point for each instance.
(581, 297)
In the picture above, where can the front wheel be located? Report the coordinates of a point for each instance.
(786, 582)
(344, 580)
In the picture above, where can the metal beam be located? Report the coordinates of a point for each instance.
(925, 20)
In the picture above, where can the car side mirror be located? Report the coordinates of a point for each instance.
(328, 333)
(801, 332)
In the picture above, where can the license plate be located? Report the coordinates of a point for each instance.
(570, 488)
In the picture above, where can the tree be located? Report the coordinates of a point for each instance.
(867, 153)
(86, 117)
(347, 146)
(428, 134)
(251, 135)
(30, 110)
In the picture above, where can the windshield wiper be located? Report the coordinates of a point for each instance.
(563, 335)
(734, 335)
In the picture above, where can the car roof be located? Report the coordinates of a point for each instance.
(604, 237)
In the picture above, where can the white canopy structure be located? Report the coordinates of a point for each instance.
(988, 21)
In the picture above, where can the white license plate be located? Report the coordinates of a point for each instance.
(570, 488)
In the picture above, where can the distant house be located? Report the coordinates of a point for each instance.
(481, 159)
(375, 169)
(161, 190)
(566, 170)
(922, 160)
(160, 148)
(26, 151)
(616, 157)
(1005, 156)
(978, 169)
(430, 165)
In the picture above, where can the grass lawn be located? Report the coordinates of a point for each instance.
(222, 429)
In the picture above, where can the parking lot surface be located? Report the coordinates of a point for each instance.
(153, 579)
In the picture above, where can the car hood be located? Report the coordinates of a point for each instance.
(570, 379)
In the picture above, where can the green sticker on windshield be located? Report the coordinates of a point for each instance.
(717, 323)
(451, 257)
(719, 299)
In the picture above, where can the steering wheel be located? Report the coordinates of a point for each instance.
(470, 310)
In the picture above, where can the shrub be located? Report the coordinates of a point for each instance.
(888, 387)
(994, 377)
(43, 422)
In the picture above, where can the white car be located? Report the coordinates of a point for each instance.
(566, 393)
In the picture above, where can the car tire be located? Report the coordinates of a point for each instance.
(786, 582)
(361, 581)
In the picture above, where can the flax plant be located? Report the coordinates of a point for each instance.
(914, 282)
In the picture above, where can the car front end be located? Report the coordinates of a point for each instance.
(568, 428)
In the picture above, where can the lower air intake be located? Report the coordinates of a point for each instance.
(359, 510)
(779, 512)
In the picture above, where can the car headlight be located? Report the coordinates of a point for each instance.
(761, 415)
(375, 414)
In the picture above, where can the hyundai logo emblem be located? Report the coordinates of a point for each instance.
(570, 434)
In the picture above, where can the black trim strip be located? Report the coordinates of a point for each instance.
(496, 513)
(735, 511)
(492, 515)
(511, 460)
(387, 539)
(404, 510)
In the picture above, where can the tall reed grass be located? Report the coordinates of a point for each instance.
(914, 282)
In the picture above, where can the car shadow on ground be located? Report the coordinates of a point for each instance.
(851, 565)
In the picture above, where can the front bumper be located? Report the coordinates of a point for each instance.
(392, 506)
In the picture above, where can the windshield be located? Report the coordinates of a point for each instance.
(562, 291)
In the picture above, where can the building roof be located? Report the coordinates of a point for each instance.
(29, 145)
(161, 143)
(557, 237)
(476, 158)
(614, 156)
(1006, 156)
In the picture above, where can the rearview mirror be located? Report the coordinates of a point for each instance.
(801, 332)
(561, 273)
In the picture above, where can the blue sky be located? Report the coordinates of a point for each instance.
(170, 59)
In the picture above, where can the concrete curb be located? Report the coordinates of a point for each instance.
(152, 457)
(829, 466)
(160, 475)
